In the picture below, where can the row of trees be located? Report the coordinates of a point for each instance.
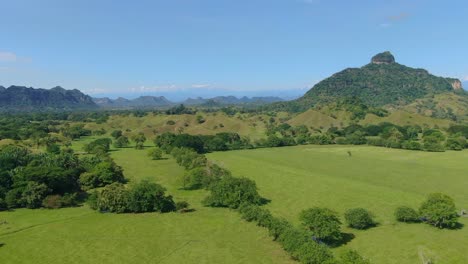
(242, 194)
(202, 143)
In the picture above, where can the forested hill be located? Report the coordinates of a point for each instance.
(20, 98)
(381, 82)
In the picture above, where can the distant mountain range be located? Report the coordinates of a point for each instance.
(161, 101)
(20, 98)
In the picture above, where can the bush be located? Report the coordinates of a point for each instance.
(121, 142)
(412, 145)
(33, 194)
(232, 192)
(292, 239)
(182, 206)
(353, 257)
(148, 197)
(439, 210)
(113, 198)
(406, 214)
(155, 153)
(323, 223)
(58, 201)
(314, 253)
(359, 218)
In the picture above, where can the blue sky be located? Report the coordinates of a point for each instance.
(213, 47)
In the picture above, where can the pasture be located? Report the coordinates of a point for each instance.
(81, 235)
(378, 179)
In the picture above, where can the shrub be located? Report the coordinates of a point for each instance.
(314, 253)
(359, 218)
(412, 145)
(155, 153)
(232, 192)
(170, 122)
(33, 194)
(322, 222)
(58, 201)
(182, 206)
(292, 239)
(406, 214)
(113, 198)
(148, 197)
(439, 210)
(353, 257)
(121, 142)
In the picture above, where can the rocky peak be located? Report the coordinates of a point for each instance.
(383, 58)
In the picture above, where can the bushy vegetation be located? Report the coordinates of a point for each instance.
(359, 218)
(137, 198)
(51, 180)
(406, 214)
(323, 223)
(439, 210)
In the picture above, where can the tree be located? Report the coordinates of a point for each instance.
(116, 134)
(121, 142)
(232, 192)
(314, 253)
(113, 198)
(139, 140)
(155, 153)
(322, 222)
(148, 197)
(406, 214)
(359, 218)
(439, 210)
(33, 194)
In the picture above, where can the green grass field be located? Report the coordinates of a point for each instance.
(81, 235)
(294, 178)
(379, 179)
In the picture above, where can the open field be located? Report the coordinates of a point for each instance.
(379, 179)
(81, 235)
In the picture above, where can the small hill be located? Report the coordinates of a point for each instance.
(381, 82)
(140, 102)
(232, 100)
(20, 98)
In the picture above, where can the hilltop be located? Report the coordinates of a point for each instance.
(382, 82)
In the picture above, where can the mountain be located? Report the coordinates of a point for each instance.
(382, 82)
(20, 98)
(232, 100)
(140, 102)
(161, 101)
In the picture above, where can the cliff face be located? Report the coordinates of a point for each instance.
(456, 84)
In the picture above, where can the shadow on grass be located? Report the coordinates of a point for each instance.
(2, 245)
(345, 239)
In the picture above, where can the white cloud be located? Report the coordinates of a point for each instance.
(465, 79)
(157, 88)
(95, 91)
(6, 56)
(200, 85)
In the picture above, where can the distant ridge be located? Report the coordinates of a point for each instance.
(161, 101)
(21, 98)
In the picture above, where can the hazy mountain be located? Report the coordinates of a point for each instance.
(140, 102)
(20, 98)
(232, 100)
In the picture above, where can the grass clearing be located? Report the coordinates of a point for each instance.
(81, 235)
(378, 179)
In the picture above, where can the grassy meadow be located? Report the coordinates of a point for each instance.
(81, 235)
(294, 178)
(378, 179)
